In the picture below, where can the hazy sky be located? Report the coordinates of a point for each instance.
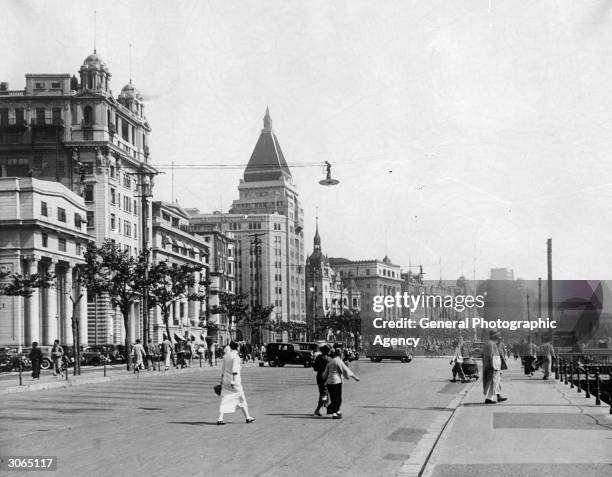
(465, 133)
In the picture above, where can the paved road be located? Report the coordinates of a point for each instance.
(167, 425)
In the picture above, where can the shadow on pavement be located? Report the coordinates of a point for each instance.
(196, 423)
(296, 416)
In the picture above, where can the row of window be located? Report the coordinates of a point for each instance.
(61, 244)
(61, 214)
(129, 205)
(40, 118)
(115, 224)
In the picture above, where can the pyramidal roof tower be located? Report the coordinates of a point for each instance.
(267, 162)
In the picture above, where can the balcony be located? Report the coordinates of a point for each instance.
(15, 92)
(47, 122)
(13, 125)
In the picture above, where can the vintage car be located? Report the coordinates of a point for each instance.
(280, 354)
(377, 353)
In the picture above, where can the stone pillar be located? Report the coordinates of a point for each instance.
(32, 323)
(50, 325)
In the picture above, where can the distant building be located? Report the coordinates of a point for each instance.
(502, 274)
(42, 230)
(222, 276)
(372, 278)
(327, 292)
(267, 222)
(173, 241)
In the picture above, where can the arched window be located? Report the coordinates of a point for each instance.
(88, 115)
(90, 80)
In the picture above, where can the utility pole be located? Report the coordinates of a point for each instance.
(256, 248)
(550, 285)
(145, 183)
(540, 306)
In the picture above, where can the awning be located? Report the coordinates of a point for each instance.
(178, 337)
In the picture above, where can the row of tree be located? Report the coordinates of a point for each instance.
(112, 272)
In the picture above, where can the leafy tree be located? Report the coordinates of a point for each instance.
(123, 280)
(91, 276)
(16, 284)
(170, 283)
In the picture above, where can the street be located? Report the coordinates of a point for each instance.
(167, 425)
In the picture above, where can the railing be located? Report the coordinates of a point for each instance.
(14, 92)
(589, 372)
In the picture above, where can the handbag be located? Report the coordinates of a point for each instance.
(217, 389)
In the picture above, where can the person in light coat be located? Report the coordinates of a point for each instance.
(232, 394)
(335, 373)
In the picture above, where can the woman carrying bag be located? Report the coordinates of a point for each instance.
(232, 394)
(456, 362)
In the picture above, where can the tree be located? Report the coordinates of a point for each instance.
(232, 305)
(90, 278)
(169, 283)
(16, 284)
(259, 316)
(123, 280)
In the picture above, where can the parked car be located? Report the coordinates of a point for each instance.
(280, 354)
(94, 355)
(377, 353)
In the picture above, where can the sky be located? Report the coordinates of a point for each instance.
(464, 134)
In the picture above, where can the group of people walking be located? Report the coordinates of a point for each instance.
(532, 356)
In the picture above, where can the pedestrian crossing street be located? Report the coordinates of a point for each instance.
(52, 409)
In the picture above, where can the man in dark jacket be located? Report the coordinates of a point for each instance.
(36, 358)
(319, 366)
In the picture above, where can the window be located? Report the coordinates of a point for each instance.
(135, 208)
(39, 85)
(127, 182)
(88, 193)
(119, 225)
(61, 214)
(90, 218)
(124, 130)
(40, 116)
(77, 221)
(88, 115)
(113, 197)
(166, 216)
(119, 200)
(45, 240)
(127, 228)
(19, 115)
(78, 248)
(127, 204)
(112, 222)
(55, 85)
(135, 231)
(175, 222)
(43, 209)
(61, 245)
(56, 116)
(112, 172)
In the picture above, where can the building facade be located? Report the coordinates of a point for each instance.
(327, 292)
(75, 132)
(222, 276)
(42, 230)
(267, 222)
(175, 243)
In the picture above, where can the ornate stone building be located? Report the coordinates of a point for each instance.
(75, 132)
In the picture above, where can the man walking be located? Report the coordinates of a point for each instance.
(491, 369)
(167, 350)
(152, 354)
(548, 352)
(139, 353)
(57, 352)
(36, 358)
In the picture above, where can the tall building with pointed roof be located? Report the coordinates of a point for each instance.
(267, 221)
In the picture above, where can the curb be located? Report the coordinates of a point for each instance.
(419, 457)
(98, 379)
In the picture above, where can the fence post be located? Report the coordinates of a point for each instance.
(597, 396)
(572, 374)
(565, 367)
(578, 388)
(105, 368)
(20, 371)
(200, 360)
(587, 391)
(557, 368)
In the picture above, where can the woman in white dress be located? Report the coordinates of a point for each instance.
(232, 394)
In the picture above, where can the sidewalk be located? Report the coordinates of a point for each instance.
(544, 429)
(9, 385)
